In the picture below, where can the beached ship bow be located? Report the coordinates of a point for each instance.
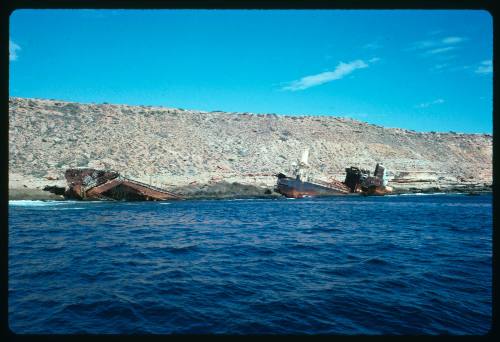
(91, 184)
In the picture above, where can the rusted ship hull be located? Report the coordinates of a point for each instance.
(294, 188)
(377, 191)
(91, 184)
(357, 181)
(360, 181)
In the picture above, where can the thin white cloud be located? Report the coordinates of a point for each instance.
(373, 60)
(486, 67)
(428, 104)
(342, 70)
(439, 50)
(13, 48)
(436, 46)
(452, 40)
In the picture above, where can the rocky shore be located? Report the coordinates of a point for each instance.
(225, 155)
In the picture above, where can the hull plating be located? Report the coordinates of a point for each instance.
(294, 188)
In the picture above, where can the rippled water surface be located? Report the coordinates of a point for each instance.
(345, 265)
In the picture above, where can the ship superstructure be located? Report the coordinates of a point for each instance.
(302, 184)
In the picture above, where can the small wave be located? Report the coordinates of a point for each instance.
(489, 204)
(182, 248)
(393, 283)
(92, 277)
(33, 203)
(305, 247)
(45, 203)
(153, 310)
(53, 248)
(106, 309)
(427, 194)
(117, 311)
(375, 261)
(41, 274)
(164, 203)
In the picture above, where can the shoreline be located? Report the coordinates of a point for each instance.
(241, 191)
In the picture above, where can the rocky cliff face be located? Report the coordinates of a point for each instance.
(176, 147)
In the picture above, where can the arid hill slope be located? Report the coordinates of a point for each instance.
(175, 147)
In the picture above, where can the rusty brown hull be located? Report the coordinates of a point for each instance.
(293, 193)
(294, 188)
(360, 181)
(90, 184)
(357, 181)
(376, 191)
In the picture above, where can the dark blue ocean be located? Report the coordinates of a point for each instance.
(343, 265)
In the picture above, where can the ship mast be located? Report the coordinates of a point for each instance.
(302, 166)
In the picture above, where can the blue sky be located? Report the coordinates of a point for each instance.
(415, 69)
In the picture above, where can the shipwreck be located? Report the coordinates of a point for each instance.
(91, 184)
(360, 181)
(303, 184)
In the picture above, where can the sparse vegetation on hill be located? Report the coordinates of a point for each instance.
(175, 147)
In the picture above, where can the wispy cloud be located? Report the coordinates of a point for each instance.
(486, 67)
(374, 59)
(439, 50)
(452, 40)
(436, 46)
(342, 70)
(13, 48)
(428, 104)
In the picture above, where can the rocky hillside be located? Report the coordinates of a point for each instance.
(177, 147)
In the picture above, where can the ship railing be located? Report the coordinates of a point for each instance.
(148, 186)
(333, 184)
